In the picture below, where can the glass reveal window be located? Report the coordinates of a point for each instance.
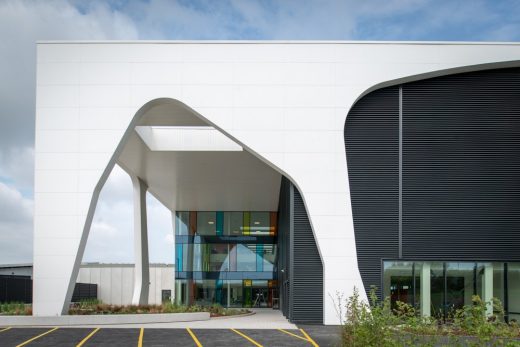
(513, 288)
(398, 282)
(440, 288)
(460, 285)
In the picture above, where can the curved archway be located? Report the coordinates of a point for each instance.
(170, 112)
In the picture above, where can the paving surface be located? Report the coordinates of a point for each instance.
(114, 337)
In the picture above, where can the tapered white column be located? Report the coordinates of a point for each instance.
(487, 287)
(142, 265)
(425, 290)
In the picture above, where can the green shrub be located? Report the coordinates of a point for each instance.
(379, 325)
(15, 309)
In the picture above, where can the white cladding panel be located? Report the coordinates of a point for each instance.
(116, 282)
(287, 102)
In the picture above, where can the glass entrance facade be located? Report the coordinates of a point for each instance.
(226, 258)
(440, 288)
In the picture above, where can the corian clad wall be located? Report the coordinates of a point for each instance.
(116, 282)
(285, 101)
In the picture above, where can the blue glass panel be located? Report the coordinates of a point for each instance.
(178, 257)
(246, 257)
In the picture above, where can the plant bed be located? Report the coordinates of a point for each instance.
(15, 309)
(381, 325)
(96, 307)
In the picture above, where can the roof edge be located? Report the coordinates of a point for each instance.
(277, 42)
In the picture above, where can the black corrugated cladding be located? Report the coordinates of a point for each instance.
(284, 231)
(372, 147)
(461, 166)
(307, 279)
(301, 283)
(461, 170)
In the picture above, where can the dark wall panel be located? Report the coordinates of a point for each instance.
(284, 231)
(307, 284)
(461, 170)
(461, 166)
(372, 147)
(15, 289)
(301, 282)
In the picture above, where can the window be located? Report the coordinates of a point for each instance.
(440, 288)
(182, 222)
(260, 223)
(246, 257)
(166, 295)
(206, 223)
(233, 222)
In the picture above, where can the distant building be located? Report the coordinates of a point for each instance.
(114, 281)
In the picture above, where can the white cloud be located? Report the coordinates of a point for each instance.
(22, 23)
(17, 165)
(16, 217)
(111, 238)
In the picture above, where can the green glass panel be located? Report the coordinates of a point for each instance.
(248, 294)
(220, 223)
(259, 257)
(247, 220)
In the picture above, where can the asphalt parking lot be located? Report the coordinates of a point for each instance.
(307, 336)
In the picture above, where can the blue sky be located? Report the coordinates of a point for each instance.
(24, 22)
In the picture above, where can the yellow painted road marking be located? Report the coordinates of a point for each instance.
(87, 337)
(5, 329)
(309, 338)
(247, 338)
(141, 334)
(197, 342)
(298, 336)
(37, 337)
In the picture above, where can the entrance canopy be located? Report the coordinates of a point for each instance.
(189, 165)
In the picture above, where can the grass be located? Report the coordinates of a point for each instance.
(92, 307)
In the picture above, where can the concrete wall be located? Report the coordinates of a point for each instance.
(116, 282)
(286, 102)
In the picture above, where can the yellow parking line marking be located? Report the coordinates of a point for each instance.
(141, 335)
(247, 338)
(289, 333)
(37, 337)
(309, 338)
(5, 329)
(197, 342)
(87, 337)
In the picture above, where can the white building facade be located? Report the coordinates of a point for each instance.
(272, 110)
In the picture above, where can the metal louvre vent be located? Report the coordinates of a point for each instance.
(301, 281)
(461, 166)
(307, 284)
(372, 147)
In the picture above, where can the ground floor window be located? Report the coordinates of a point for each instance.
(226, 258)
(440, 288)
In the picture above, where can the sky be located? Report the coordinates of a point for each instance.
(22, 23)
